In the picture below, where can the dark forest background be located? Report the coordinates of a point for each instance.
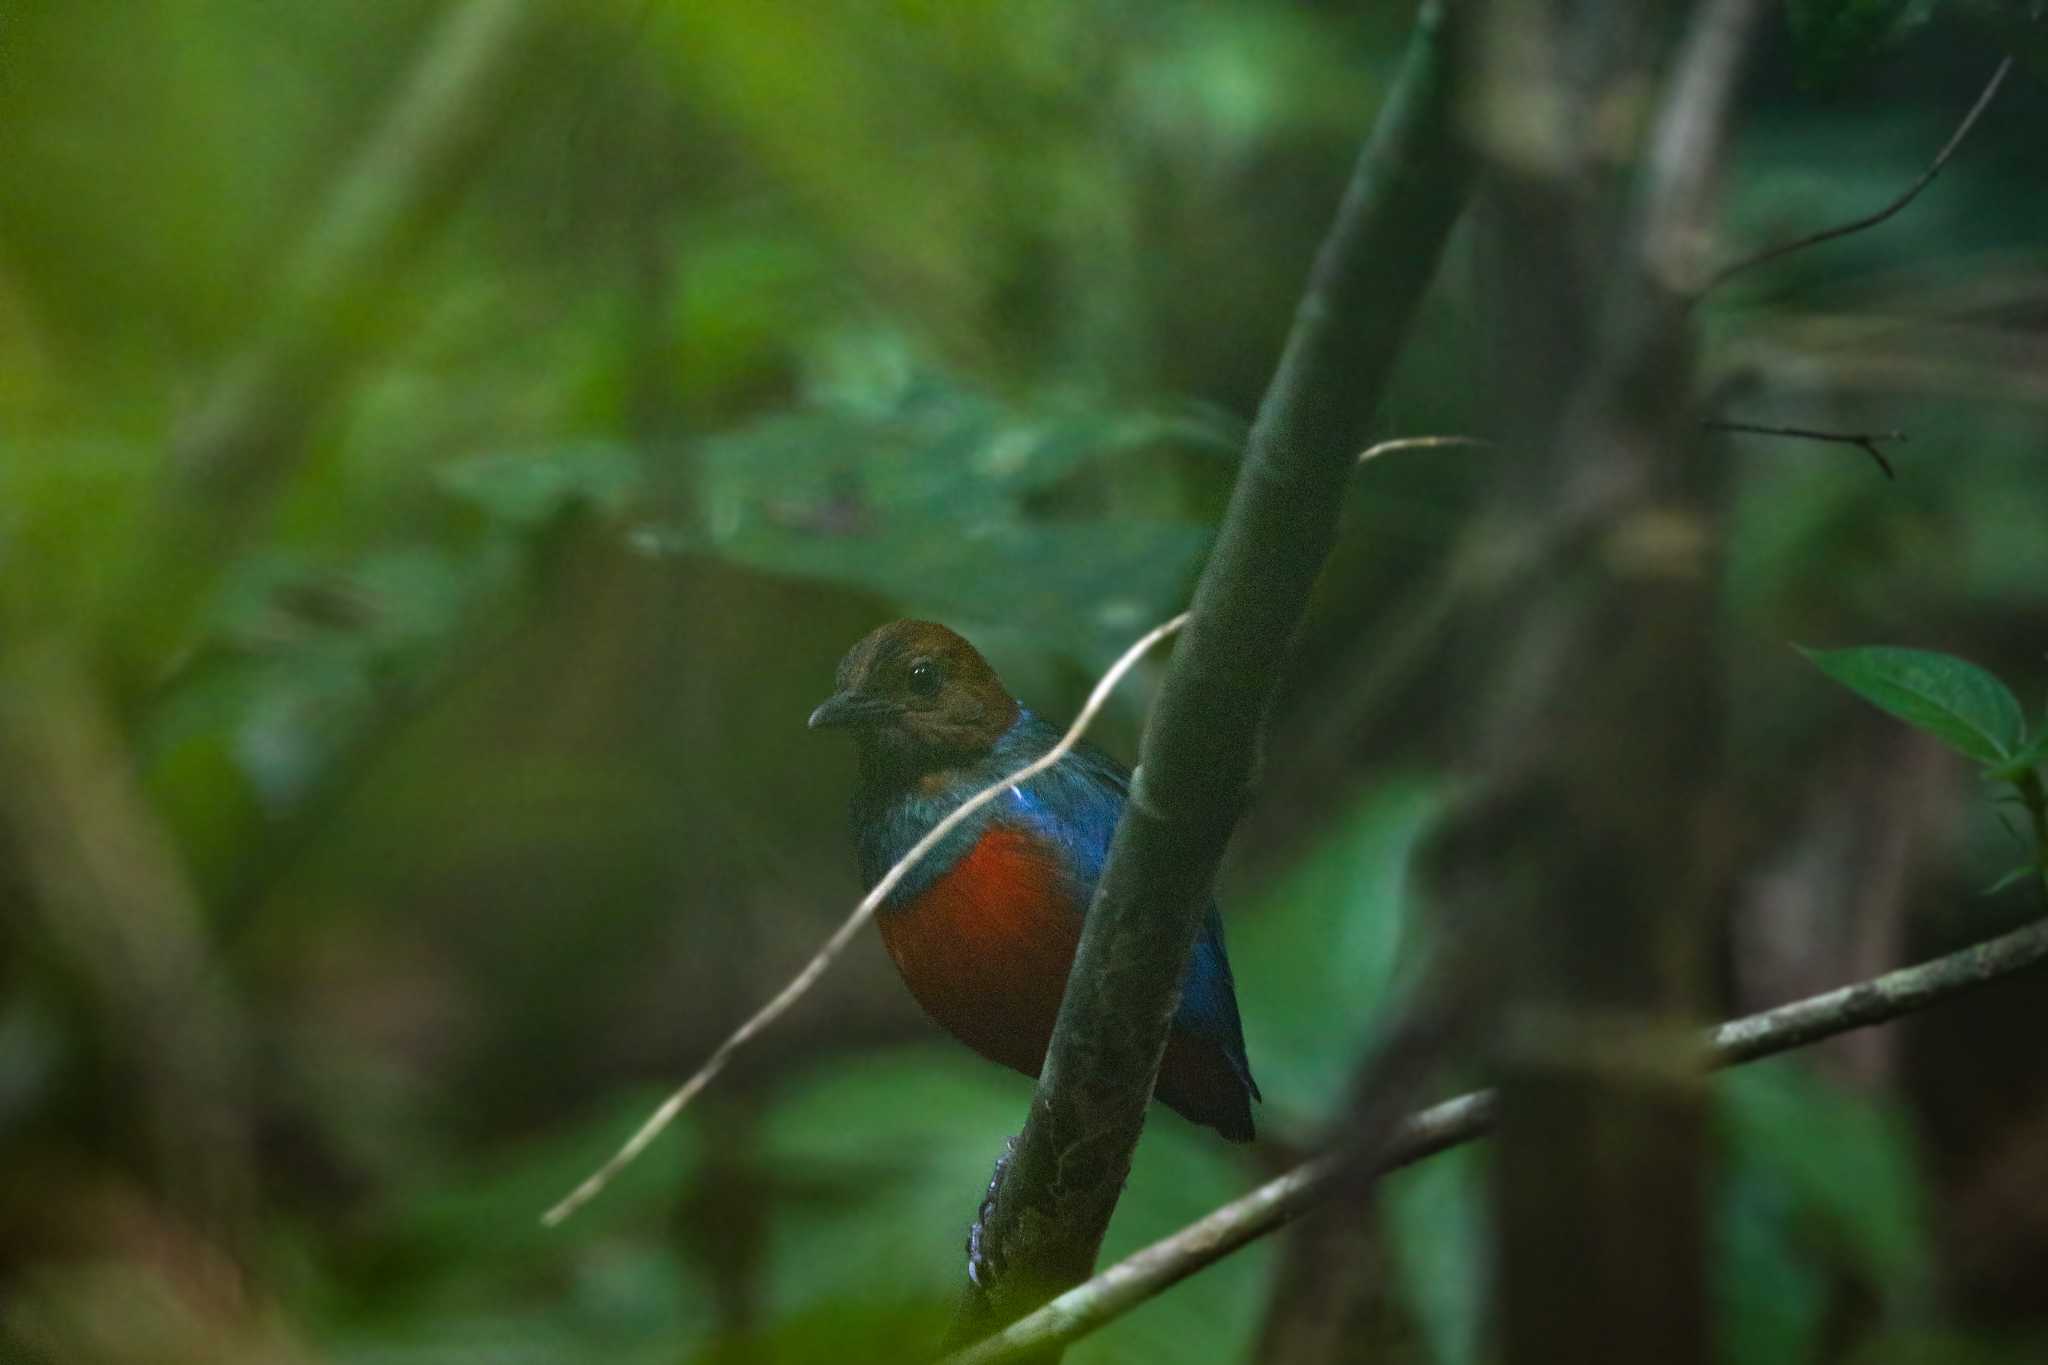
(444, 449)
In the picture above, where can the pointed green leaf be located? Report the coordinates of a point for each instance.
(1957, 702)
(2012, 878)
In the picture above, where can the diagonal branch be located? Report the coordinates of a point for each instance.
(1871, 220)
(1454, 1122)
(1865, 441)
(1049, 1212)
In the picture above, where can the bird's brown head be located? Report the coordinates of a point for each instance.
(917, 698)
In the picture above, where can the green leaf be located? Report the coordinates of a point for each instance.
(1820, 1187)
(1957, 702)
(1770, 1294)
(1844, 1165)
(882, 1163)
(1831, 36)
(526, 488)
(1435, 1216)
(953, 504)
(1318, 948)
(2013, 878)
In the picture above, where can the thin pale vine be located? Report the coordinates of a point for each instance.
(1373, 452)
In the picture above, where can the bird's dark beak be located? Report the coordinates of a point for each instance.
(848, 710)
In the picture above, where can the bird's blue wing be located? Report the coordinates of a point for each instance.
(1076, 805)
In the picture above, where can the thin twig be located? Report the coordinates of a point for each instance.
(1454, 1122)
(1866, 441)
(1373, 452)
(1872, 220)
(666, 1111)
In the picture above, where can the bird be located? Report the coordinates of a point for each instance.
(983, 929)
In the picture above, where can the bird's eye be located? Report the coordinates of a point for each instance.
(924, 678)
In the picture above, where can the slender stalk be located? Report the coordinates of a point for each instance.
(1871, 220)
(2034, 796)
(1865, 441)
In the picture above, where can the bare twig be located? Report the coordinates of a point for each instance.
(1454, 1122)
(666, 1111)
(1866, 441)
(1871, 220)
(1373, 452)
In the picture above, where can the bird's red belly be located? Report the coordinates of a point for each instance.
(987, 947)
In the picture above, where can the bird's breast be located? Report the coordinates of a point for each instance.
(987, 944)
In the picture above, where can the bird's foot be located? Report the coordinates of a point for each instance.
(982, 1264)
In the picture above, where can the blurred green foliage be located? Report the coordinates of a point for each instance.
(1834, 37)
(476, 735)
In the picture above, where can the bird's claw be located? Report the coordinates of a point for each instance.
(981, 1257)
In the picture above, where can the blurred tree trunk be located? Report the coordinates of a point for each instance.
(1333, 1299)
(1597, 838)
(108, 904)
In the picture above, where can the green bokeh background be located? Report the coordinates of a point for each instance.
(472, 738)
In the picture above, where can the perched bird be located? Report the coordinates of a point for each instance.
(984, 928)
